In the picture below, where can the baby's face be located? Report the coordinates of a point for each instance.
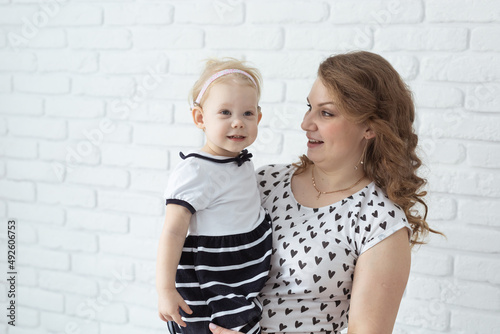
(231, 117)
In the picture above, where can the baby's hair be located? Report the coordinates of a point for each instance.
(214, 65)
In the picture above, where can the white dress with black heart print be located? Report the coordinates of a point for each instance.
(315, 252)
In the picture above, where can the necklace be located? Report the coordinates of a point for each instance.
(334, 191)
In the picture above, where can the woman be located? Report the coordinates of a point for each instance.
(343, 218)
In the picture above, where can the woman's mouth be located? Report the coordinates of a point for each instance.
(313, 143)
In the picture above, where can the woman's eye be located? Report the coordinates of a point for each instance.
(326, 114)
(309, 107)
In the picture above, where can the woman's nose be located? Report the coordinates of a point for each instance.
(308, 122)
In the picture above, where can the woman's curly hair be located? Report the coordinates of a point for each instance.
(367, 89)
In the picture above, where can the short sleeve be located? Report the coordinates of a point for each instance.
(189, 186)
(383, 218)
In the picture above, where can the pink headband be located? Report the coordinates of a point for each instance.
(218, 75)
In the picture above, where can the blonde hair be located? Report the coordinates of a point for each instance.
(368, 90)
(214, 65)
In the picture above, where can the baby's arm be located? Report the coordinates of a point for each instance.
(172, 240)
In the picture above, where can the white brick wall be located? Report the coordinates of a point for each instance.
(93, 110)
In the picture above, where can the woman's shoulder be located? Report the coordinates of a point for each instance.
(275, 171)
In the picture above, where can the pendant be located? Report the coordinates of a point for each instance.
(319, 194)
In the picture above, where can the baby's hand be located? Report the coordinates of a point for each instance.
(168, 307)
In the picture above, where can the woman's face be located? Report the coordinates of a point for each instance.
(333, 141)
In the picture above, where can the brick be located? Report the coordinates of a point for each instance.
(129, 202)
(27, 318)
(70, 153)
(67, 282)
(133, 156)
(146, 227)
(143, 317)
(297, 12)
(432, 263)
(171, 87)
(67, 61)
(486, 184)
(99, 38)
(212, 13)
(17, 190)
(296, 91)
(99, 310)
(406, 66)
(456, 124)
(65, 195)
(461, 11)
(104, 86)
(377, 13)
(18, 148)
(441, 207)
(14, 61)
(138, 13)
(474, 322)
(479, 212)
(182, 114)
(37, 127)
(437, 96)
(153, 134)
(14, 15)
(2, 168)
(169, 38)
(332, 38)
(485, 155)
(268, 141)
(147, 180)
(272, 91)
(3, 126)
(29, 170)
(422, 314)
(479, 269)
(70, 107)
(37, 213)
(5, 84)
(485, 39)
(63, 323)
(74, 14)
(141, 63)
(466, 68)
(3, 39)
(48, 38)
(105, 266)
(153, 111)
(138, 294)
(417, 39)
(28, 230)
(96, 221)
(483, 97)
(3, 209)
(65, 239)
(442, 151)
(478, 239)
(245, 38)
(98, 176)
(145, 271)
(98, 131)
(293, 65)
(45, 84)
(38, 257)
(21, 105)
(42, 300)
(129, 246)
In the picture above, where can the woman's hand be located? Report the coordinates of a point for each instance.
(168, 307)
(219, 330)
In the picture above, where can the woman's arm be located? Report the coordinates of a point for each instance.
(172, 239)
(380, 279)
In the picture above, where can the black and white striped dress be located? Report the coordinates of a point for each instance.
(226, 256)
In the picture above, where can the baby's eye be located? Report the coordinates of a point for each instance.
(225, 112)
(248, 113)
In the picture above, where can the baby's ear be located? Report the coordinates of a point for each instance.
(259, 114)
(198, 117)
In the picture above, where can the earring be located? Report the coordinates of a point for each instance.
(360, 162)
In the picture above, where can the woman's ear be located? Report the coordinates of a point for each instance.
(198, 117)
(369, 133)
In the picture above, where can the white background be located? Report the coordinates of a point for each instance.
(93, 112)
